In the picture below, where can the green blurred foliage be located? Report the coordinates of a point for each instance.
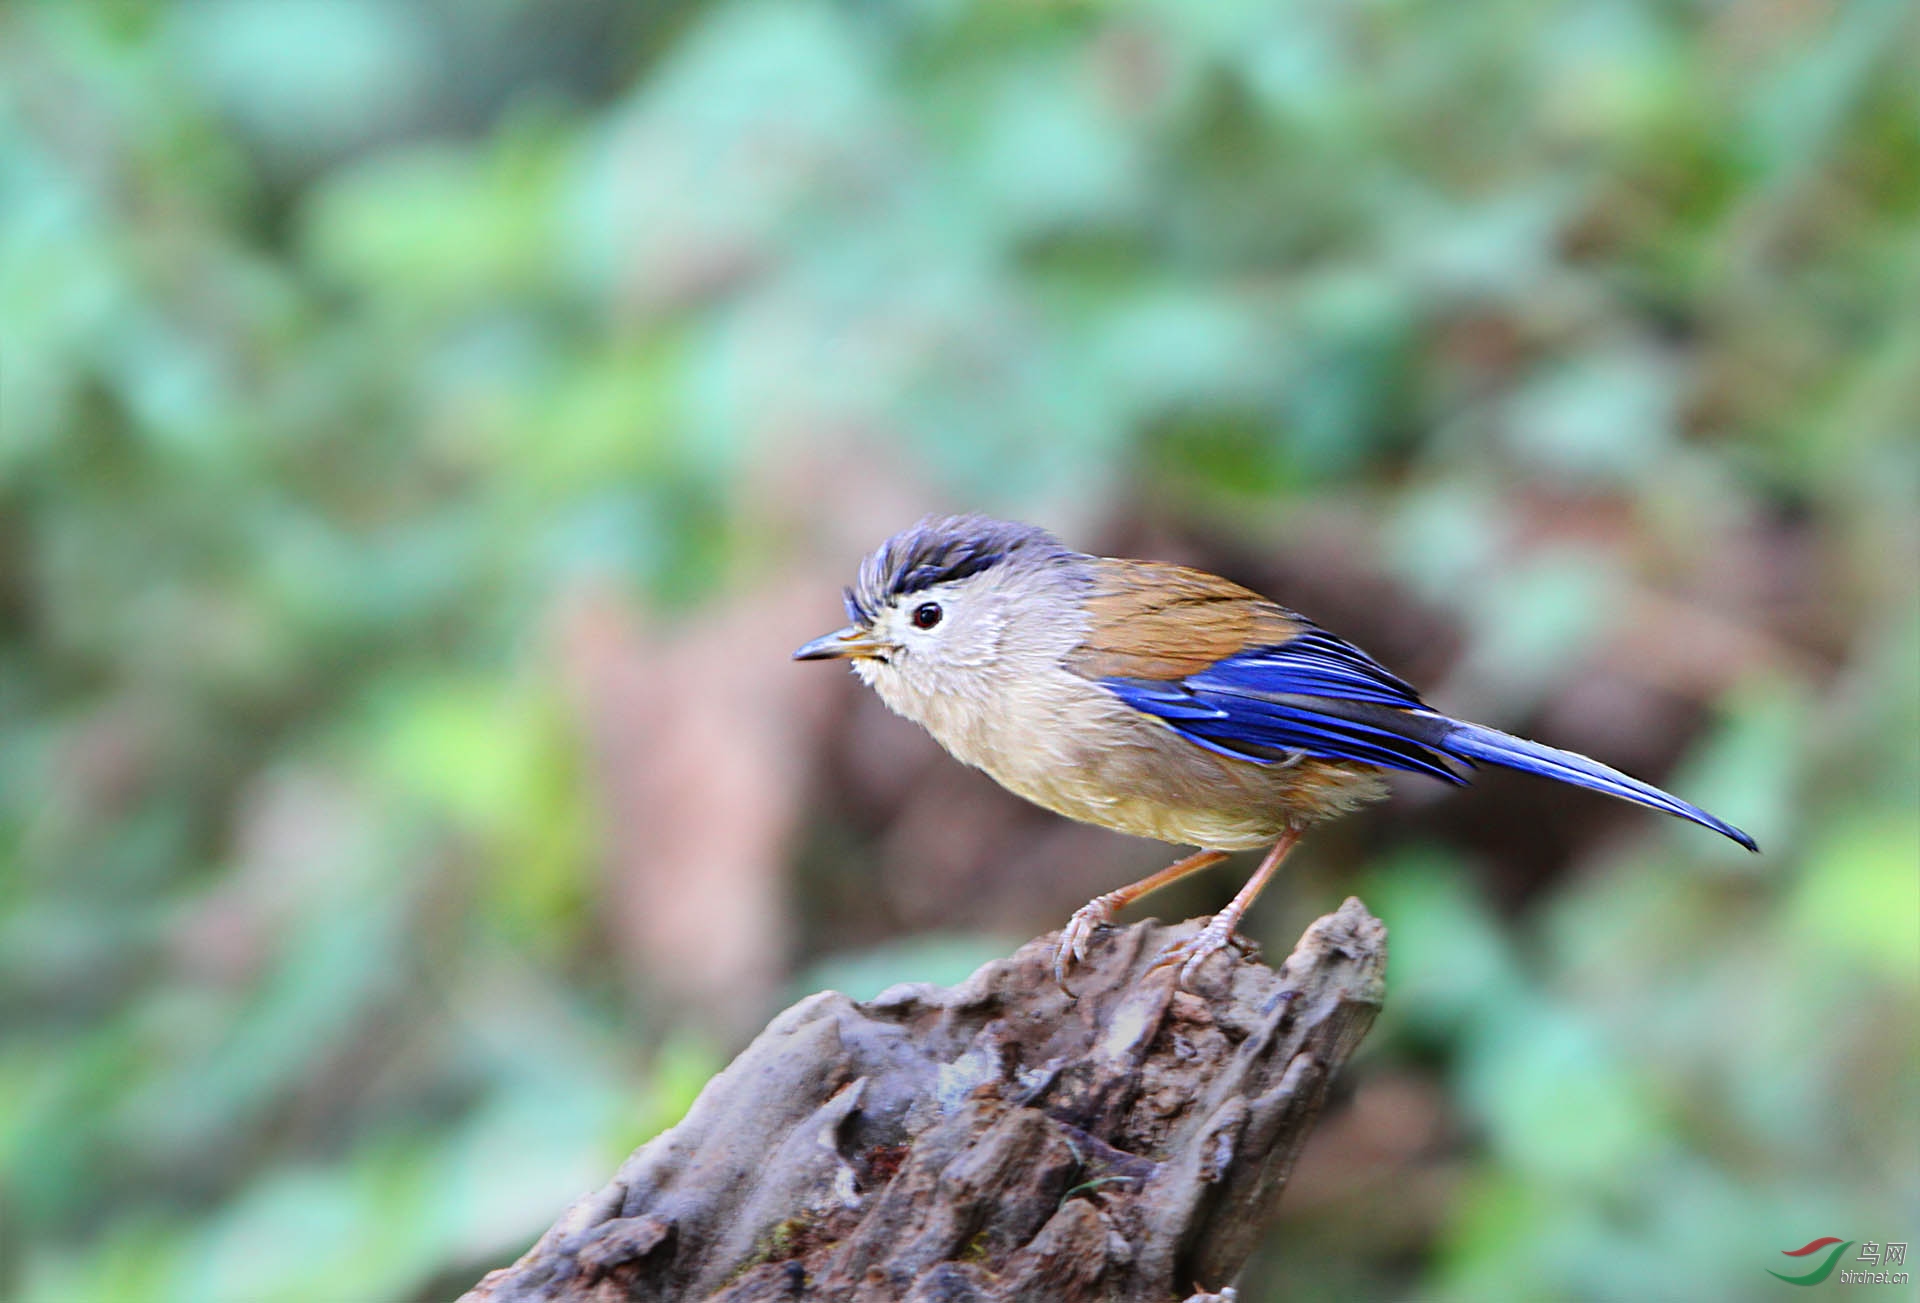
(337, 336)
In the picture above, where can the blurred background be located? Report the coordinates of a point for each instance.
(425, 429)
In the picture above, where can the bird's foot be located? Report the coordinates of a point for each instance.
(1088, 919)
(1203, 945)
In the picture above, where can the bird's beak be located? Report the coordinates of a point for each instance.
(840, 644)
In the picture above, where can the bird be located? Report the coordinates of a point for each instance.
(1159, 701)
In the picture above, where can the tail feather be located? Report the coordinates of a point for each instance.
(1475, 742)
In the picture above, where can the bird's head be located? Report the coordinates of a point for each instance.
(937, 609)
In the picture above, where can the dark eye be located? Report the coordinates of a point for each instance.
(926, 615)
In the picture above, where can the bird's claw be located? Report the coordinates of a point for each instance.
(1088, 919)
(1203, 945)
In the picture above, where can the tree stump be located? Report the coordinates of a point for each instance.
(993, 1141)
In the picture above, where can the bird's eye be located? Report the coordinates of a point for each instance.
(926, 615)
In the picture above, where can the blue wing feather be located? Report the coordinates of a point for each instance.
(1318, 695)
(1316, 664)
(1267, 702)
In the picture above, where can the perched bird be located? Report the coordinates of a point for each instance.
(1155, 700)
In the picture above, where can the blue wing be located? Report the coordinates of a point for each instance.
(1316, 695)
(1313, 694)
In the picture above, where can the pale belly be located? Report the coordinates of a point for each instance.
(1158, 785)
(1068, 745)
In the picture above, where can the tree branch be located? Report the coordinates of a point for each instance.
(992, 1141)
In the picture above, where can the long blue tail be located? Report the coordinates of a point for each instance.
(1477, 742)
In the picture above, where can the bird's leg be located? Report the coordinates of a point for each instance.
(1099, 911)
(1217, 935)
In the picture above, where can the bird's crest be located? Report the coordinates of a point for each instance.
(937, 551)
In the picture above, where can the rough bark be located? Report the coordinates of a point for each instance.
(992, 1141)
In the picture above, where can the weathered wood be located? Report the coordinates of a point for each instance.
(993, 1141)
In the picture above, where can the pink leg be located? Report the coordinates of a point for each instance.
(1099, 911)
(1217, 935)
